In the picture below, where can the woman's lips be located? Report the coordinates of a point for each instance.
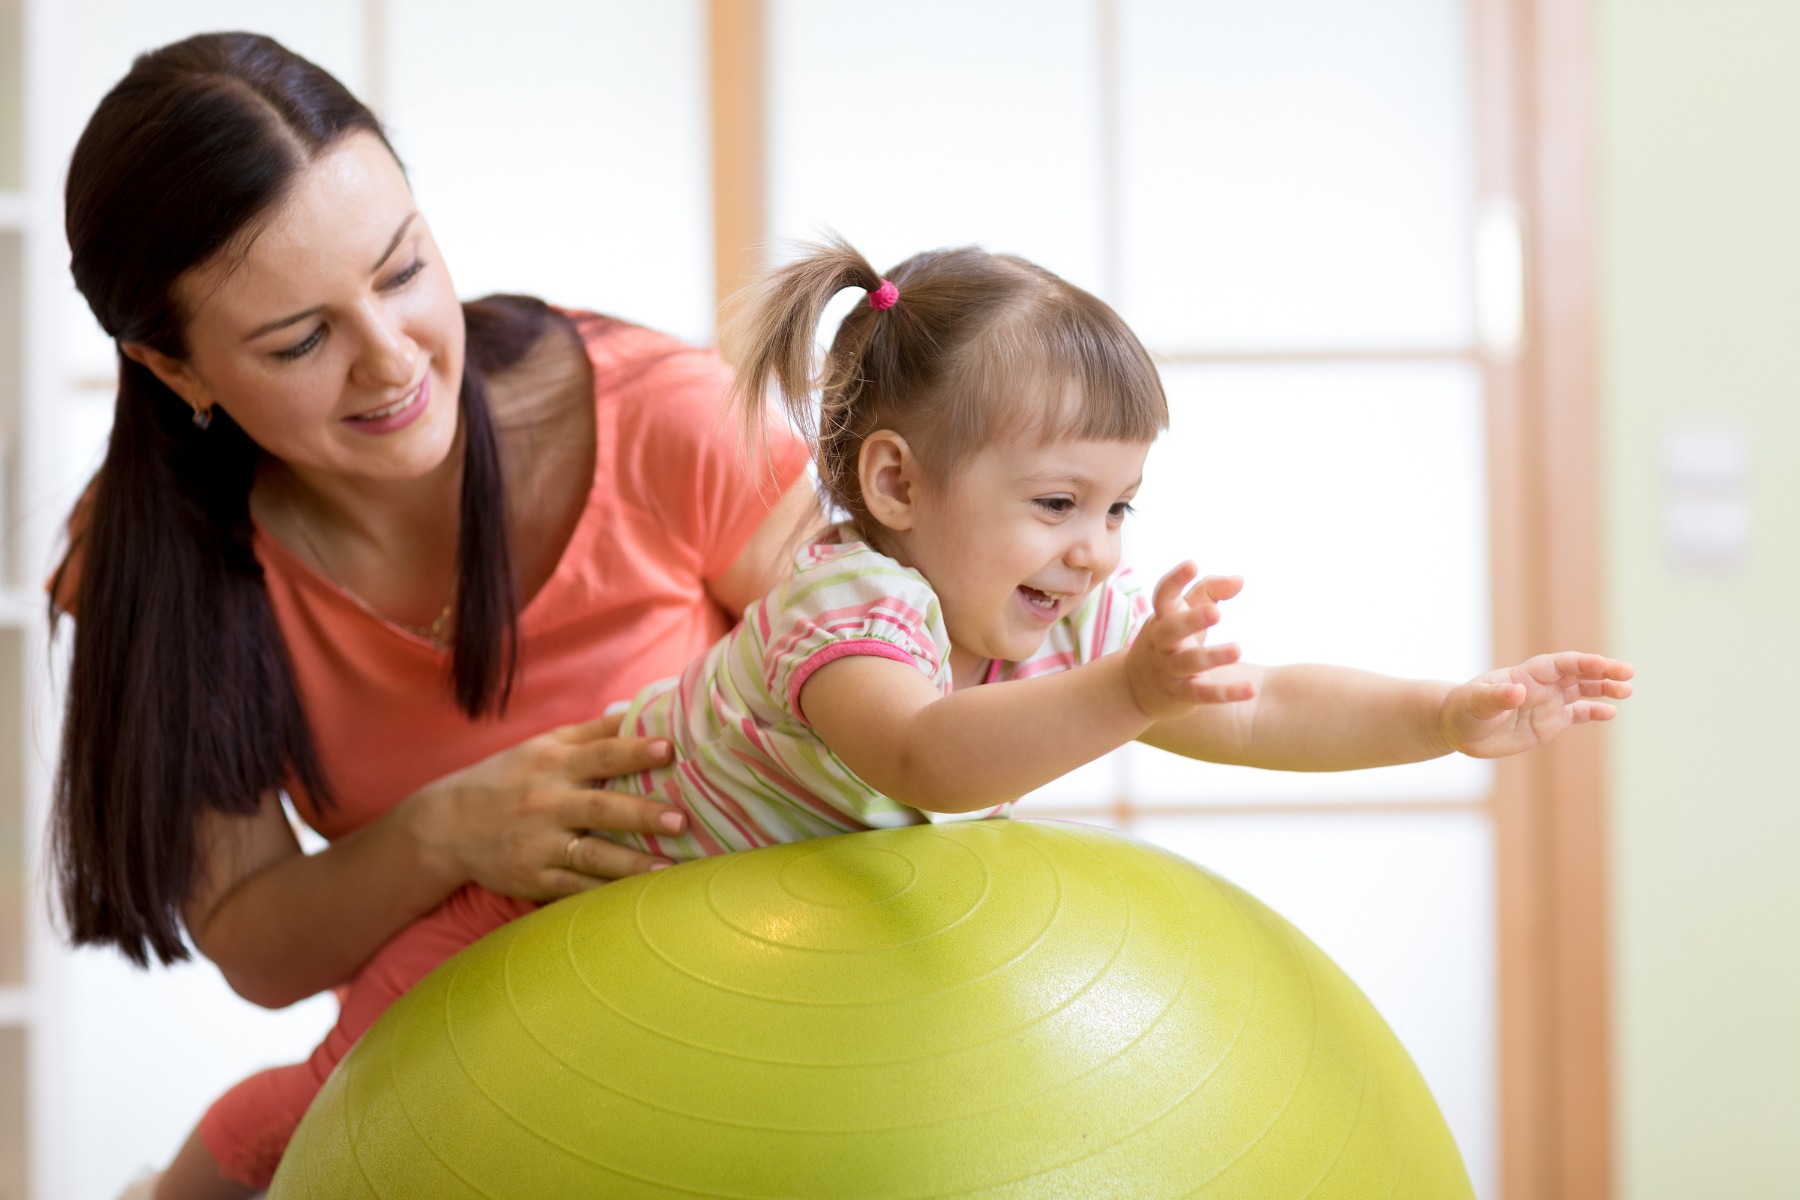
(398, 415)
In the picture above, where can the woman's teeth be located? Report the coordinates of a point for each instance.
(390, 410)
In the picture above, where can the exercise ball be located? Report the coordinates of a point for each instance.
(986, 1009)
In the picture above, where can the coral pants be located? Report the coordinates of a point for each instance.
(247, 1129)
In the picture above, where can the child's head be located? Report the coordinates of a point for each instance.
(980, 418)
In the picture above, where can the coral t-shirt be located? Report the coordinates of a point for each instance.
(675, 498)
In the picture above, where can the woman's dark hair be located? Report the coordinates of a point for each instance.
(181, 697)
(968, 346)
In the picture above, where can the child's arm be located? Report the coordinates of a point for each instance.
(1320, 718)
(986, 745)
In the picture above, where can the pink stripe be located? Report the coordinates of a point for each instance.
(774, 770)
(1049, 664)
(797, 793)
(872, 647)
(695, 830)
(1105, 615)
(729, 809)
(888, 610)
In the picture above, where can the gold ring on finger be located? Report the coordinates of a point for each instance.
(569, 852)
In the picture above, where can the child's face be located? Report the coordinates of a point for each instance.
(1017, 537)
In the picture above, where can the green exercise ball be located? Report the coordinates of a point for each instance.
(987, 1009)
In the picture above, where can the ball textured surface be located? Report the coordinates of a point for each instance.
(987, 1009)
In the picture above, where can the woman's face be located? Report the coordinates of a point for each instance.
(335, 340)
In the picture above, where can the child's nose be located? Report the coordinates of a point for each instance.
(1091, 550)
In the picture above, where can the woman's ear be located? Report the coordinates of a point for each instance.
(175, 373)
(889, 475)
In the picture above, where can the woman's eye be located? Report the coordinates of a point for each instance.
(304, 348)
(406, 276)
(1056, 505)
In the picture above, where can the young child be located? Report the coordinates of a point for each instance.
(983, 425)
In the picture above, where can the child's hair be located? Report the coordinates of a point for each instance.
(963, 347)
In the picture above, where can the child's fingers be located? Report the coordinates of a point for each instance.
(1490, 700)
(1202, 692)
(1197, 660)
(1179, 626)
(1590, 710)
(1169, 589)
(1216, 588)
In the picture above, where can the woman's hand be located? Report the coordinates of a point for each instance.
(1166, 663)
(516, 822)
(1520, 708)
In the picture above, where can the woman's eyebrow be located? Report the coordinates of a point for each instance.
(295, 319)
(398, 234)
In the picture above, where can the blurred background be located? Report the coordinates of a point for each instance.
(1471, 314)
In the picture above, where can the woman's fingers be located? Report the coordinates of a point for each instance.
(611, 757)
(586, 731)
(601, 858)
(597, 808)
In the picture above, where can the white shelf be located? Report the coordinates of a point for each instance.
(12, 212)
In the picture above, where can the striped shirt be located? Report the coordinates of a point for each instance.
(748, 770)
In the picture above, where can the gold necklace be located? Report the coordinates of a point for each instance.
(439, 633)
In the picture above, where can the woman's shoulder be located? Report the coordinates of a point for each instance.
(622, 353)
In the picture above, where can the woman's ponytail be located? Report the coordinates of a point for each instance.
(180, 696)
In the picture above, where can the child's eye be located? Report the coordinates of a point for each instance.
(1060, 506)
(304, 348)
(1120, 511)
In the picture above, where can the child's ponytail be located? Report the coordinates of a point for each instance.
(954, 348)
(770, 329)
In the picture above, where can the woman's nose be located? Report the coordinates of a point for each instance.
(390, 357)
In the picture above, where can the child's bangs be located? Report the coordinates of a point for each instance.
(1064, 368)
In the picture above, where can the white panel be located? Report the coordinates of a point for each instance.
(114, 32)
(938, 123)
(1353, 500)
(144, 1054)
(1296, 172)
(562, 149)
(1404, 904)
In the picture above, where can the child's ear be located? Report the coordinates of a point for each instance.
(888, 473)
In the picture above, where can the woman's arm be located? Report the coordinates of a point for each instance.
(282, 925)
(1309, 717)
(763, 562)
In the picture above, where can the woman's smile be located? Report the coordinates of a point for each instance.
(395, 416)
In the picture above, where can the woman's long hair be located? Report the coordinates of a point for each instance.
(181, 697)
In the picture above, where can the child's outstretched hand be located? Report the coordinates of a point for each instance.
(1520, 708)
(1166, 663)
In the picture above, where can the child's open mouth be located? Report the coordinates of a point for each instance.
(1041, 603)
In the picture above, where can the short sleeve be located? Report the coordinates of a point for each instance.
(844, 601)
(682, 453)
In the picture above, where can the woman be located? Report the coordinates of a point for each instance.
(355, 540)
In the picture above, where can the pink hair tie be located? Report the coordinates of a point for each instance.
(884, 297)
